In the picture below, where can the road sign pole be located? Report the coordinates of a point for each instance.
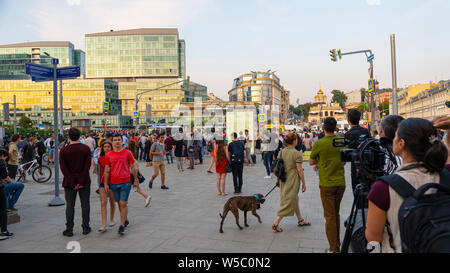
(15, 116)
(61, 130)
(136, 109)
(371, 96)
(56, 201)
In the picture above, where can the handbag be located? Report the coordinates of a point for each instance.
(228, 167)
(278, 168)
(140, 177)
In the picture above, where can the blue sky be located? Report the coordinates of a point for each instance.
(227, 38)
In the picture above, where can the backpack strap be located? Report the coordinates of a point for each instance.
(399, 184)
(444, 177)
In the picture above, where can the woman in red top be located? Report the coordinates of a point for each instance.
(222, 158)
(105, 148)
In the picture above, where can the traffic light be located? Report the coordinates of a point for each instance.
(333, 55)
(106, 112)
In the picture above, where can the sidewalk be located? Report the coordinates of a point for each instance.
(184, 218)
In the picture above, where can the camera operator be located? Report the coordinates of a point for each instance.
(353, 118)
(424, 156)
(389, 125)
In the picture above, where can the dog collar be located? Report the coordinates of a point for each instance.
(257, 197)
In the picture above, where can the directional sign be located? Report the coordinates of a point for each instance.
(261, 124)
(370, 58)
(262, 117)
(39, 71)
(136, 114)
(370, 85)
(106, 105)
(339, 52)
(68, 72)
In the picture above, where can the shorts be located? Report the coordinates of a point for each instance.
(157, 166)
(121, 191)
(51, 151)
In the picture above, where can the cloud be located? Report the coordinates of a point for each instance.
(373, 2)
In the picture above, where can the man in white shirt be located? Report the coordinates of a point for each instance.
(125, 140)
(90, 142)
(142, 141)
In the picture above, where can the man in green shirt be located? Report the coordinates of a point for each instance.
(331, 181)
(13, 162)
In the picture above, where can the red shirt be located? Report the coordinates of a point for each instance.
(119, 163)
(102, 163)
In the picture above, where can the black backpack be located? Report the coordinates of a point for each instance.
(237, 154)
(424, 219)
(278, 168)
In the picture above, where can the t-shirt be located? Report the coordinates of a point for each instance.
(168, 143)
(331, 168)
(158, 147)
(179, 148)
(102, 163)
(40, 148)
(15, 153)
(119, 163)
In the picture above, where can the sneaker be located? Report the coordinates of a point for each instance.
(12, 209)
(68, 233)
(329, 251)
(87, 230)
(209, 171)
(126, 223)
(164, 187)
(147, 201)
(150, 184)
(267, 177)
(5, 235)
(97, 191)
(122, 230)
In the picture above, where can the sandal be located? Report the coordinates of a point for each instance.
(302, 223)
(276, 228)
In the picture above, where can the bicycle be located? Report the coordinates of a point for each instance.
(40, 173)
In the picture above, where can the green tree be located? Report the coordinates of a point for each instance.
(25, 122)
(339, 97)
(384, 107)
(363, 94)
(304, 108)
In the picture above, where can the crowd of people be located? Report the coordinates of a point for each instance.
(420, 148)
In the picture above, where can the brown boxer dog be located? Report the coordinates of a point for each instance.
(244, 203)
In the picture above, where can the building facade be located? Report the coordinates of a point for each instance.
(82, 100)
(426, 104)
(13, 57)
(321, 109)
(135, 53)
(263, 88)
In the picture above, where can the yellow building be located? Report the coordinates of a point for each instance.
(405, 95)
(82, 99)
(322, 109)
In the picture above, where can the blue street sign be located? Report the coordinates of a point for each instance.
(136, 114)
(339, 52)
(370, 85)
(39, 71)
(370, 58)
(106, 105)
(55, 61)
(68, 72)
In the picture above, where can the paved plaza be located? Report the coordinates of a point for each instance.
(184, 218)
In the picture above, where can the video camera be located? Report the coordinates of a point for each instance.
(368, 155)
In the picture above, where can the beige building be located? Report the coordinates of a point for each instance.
(353, 97)
(322, 109)
(426, 104)
(263, 88)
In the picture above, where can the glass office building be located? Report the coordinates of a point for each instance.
(135, 53)
(13, 57)
(82, 99)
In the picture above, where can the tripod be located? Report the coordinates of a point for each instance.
(358, 209)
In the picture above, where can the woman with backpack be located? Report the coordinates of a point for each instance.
(418, 143)
(292, 162)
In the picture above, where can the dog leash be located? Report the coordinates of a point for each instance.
(276, 185)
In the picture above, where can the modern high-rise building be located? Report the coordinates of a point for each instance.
(135, 53)
(263, 88)
(13, 57)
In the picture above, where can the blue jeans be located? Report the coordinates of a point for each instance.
(121, 191)
(141, 153)
(267, 161)
(13, 191)
(169, 153)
